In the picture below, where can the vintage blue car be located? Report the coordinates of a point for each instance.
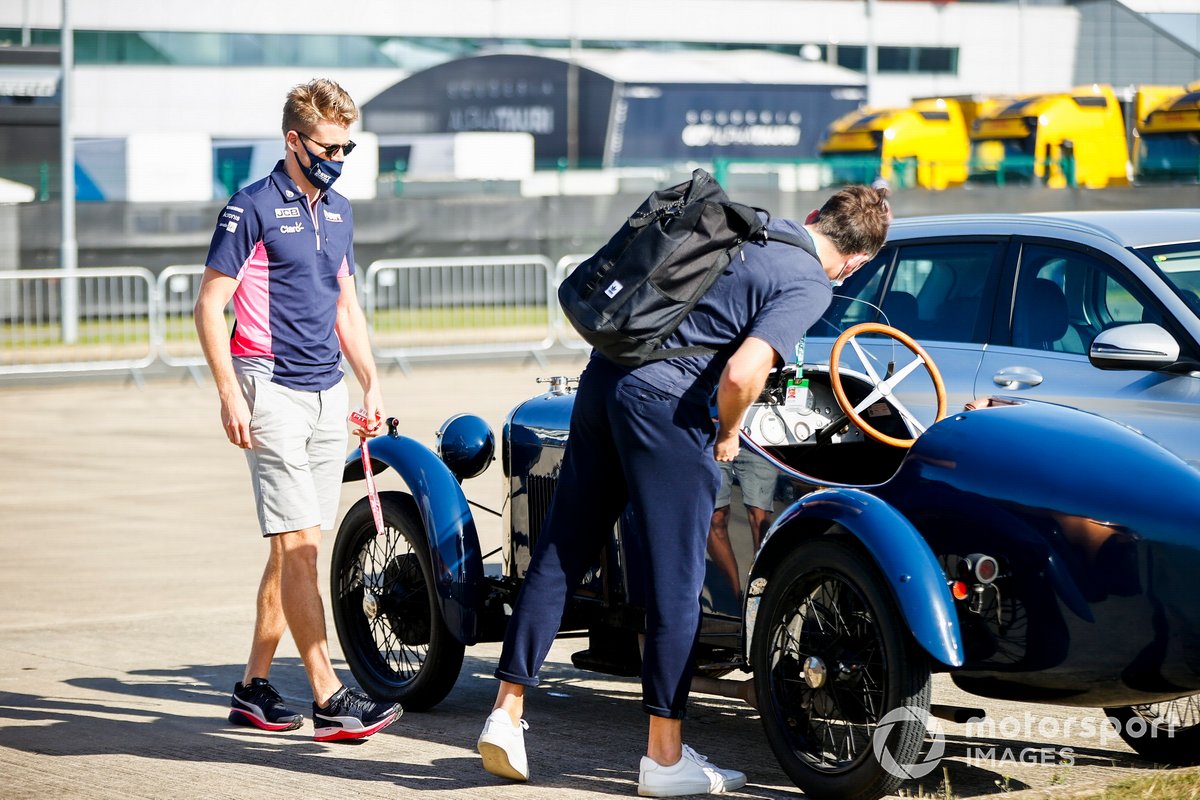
(1033, 551)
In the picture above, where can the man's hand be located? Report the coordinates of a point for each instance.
(371, 421)
(235, 419)
(741, 383)
(214, 294)
(727, 446)
(351, 327)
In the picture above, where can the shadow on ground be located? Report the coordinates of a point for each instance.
(587, 733)
(140, 716)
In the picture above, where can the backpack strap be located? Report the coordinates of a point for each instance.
(805, 243)
(680, 352)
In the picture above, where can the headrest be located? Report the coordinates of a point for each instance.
(1042, 315)
(900, 310)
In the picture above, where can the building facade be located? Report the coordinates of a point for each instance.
(179, 66)
(172, 71)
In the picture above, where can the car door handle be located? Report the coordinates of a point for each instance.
(1015, 377)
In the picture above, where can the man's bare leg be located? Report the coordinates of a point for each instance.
(721, 549)
(511, 698)
(269, 623)
(301, 602)
(760, 520)
(664, 745)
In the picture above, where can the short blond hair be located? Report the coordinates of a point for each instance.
(319, 100)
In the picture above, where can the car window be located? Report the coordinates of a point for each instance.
(1065, 297)
(939, 291)
(1179, 265)
(1121, 305)
(857, 300)
(933, 292)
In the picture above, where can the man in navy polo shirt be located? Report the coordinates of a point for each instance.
(282, 253)
(644, 437)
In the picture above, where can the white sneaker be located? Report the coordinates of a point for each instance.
(692, 774)
(502, 746)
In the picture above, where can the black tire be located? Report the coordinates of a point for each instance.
(400, 649)
(828, 601)
(1165, 733)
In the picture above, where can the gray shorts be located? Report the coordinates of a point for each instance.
(297, 450)
(756, 477)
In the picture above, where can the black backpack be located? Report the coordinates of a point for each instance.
(635, 291)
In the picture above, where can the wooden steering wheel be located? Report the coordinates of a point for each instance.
(883, 388)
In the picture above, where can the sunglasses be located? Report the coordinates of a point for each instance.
(330, 150)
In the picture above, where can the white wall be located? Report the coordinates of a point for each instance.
(245, 102)
(149, 167)
(1003, 48)
(681, 20)
(360, 175)
(484, 155)
(169, 167)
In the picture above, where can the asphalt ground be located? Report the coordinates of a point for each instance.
(129, 560)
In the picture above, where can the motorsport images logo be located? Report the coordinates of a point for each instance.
(905, 715)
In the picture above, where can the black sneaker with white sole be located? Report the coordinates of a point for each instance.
(350, 714)
(260, 706)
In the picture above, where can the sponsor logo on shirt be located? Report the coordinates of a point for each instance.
(297, 228)
(230, 226)
(230, 215)
(235, 208)
(290, 211)
(332, 216)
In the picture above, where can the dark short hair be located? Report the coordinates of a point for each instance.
(856, 219)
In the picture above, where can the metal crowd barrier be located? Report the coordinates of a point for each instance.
(82, 320)
(563, 330)
(444, 307)
(126, 318)
(178, 286)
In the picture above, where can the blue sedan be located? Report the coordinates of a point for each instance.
(1096, 310)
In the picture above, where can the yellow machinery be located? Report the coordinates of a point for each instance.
(1167, 147)
(1059, 139)
(974, 106)
(923, 145)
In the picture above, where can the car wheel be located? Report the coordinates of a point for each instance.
(1165, 733)
(832, 656)
(386, 610)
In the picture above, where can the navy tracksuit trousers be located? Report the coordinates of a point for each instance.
(629, 443)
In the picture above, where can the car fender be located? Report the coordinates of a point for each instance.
(903, 558)
(449, 526)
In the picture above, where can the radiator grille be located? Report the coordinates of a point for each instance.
(541, 490)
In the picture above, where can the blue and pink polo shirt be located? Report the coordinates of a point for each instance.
(287, 258)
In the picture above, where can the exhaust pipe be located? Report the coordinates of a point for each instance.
(738, 690)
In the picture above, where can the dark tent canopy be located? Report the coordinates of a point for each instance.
(619, 108)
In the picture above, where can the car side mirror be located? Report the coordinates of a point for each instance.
(1144, 345)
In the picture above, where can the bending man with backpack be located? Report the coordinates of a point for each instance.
(642, 436)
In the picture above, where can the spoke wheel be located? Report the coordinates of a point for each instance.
(1166, 733)
(831, 657)
(883, 388)
(385, 607)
